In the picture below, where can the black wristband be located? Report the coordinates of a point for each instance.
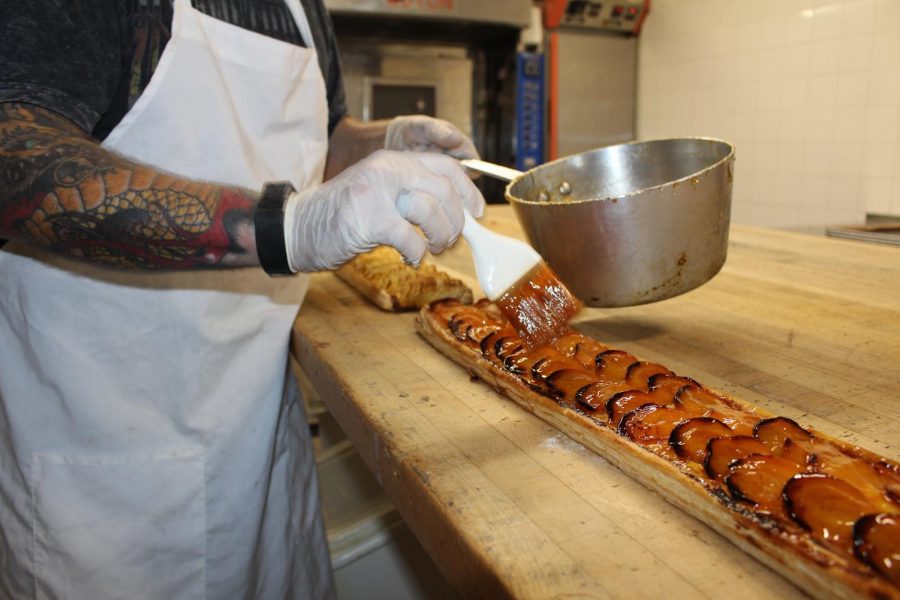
(269, 225)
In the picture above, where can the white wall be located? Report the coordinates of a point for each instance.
(807, 90)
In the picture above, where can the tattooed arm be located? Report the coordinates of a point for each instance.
(60, 190)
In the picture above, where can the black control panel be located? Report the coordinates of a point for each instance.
(621, 16)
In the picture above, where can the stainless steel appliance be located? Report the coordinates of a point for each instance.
(514, 13)
(384, 80)
(453, 59)
(593, 66)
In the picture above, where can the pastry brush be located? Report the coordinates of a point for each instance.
(524, 287)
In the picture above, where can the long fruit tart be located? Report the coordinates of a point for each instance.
(824, 514)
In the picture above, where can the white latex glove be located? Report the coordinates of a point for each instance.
(427, 134)
(375, 202)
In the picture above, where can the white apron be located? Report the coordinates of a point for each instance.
(150, 446)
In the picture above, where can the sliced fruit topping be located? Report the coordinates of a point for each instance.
(487, 343)
(567, 343)
(700, 401)
(467, 316)
(888, 468)
(548, 366)
(612, 365)
(689, 439)
(581, 348)
(623, 402)
(446, 308)
(669, 384)
(722, 451)
(684, 400)
(667, 398)
(471, 313)
(876, 542)
(586, 395)
(458, 327)
(825, 506)
(507, 346)
(783, 437)
(874, 484)
(597, 394)
(759, 481)
(521, 363)
(639, 374)
(476, 333)
(889, 473)
(587, 350)
(651, 425)
(566, 382)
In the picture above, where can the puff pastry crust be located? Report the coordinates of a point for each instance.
(824, 514)
(391, 284)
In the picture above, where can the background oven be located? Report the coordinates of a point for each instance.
(453, 59)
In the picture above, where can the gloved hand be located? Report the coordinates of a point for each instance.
(427, 134)
(375, 202)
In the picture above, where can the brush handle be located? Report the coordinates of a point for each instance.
(500, 261)
(486, 168)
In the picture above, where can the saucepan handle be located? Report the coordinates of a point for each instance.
(486, 168)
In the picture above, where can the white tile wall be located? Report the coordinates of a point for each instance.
(807, 90)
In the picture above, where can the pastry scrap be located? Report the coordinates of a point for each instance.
(824, 514)
(391, 284)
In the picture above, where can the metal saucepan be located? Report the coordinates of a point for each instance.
(628, 224)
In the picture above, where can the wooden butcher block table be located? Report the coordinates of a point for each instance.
(803, 326)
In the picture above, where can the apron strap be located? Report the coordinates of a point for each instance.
(302, 22)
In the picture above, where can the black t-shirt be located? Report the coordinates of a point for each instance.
(89, 60)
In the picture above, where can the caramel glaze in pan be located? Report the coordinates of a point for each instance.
(788, 479)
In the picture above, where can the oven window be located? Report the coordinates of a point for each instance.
(389, 101)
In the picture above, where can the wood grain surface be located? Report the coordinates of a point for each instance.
(804, 326)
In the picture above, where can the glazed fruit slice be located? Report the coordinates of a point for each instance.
(476, 333)
(689, 439)
(876, 541)
(669, 384)
(875, 485)
(721, 452)
(521, 363)
(567, 344)
(507, 346)
(598, 394)
(546, 367)
(460, 325)
(613, 364)
(826, 507)
(639, 373)
(581, 348)
(702, 402)
(758, 480)
(487, 342)
(468, 323)
(566, 382)
(624, 402)
(889, 472)
(784, 437)
(651, 425)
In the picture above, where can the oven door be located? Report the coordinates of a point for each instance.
(386, 80)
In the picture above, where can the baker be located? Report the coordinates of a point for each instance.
(151, 441)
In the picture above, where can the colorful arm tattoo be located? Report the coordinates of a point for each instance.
(60, 190)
